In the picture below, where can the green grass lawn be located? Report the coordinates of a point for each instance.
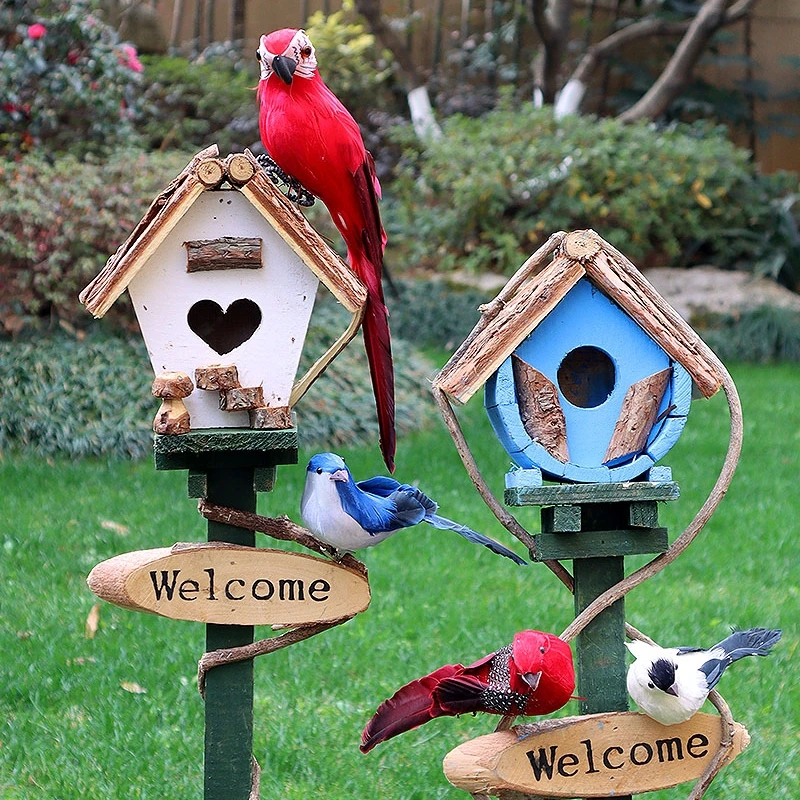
(71, 728)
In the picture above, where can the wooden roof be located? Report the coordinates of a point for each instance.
(206, 171)
(528, 299)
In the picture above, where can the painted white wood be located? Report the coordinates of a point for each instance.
(284, 289)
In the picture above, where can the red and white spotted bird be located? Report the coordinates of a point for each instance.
(532, 675)
(313, 138)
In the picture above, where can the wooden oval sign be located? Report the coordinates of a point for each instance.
(599, 755)
(231, 585)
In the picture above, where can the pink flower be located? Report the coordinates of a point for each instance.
(130, 58)
(36, 31)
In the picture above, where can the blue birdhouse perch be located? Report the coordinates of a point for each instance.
(588, 372)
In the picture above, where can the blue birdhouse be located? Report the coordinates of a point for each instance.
(587, 370)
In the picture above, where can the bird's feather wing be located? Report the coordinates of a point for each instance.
(460, 694)
(380, 485)
(372, 512)
(408, 708)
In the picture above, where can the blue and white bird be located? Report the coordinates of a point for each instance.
(350, 516)
(671, 684)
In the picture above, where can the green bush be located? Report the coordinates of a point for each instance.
(61, 222)
(66, 82)
(188, 105)
(763, 335)
(492, 189)
(92, 397)
(431, 313)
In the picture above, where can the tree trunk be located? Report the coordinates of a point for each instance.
(680, 68)
(696, 34)
(237, 20)
(552, 22)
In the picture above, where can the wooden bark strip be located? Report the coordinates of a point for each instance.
(540, 409)
(296, 231)
(489, 345)
(638, 413)
(599, 755)
(162, 215)
(611, 272)
(217, 377)
(242, 398)
(227, 252)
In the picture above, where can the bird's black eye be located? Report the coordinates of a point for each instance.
(305, 51)
(542, 650)
(319, 470)
(651, 685)
(258, 55)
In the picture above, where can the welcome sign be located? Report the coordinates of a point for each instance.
(231, 585)
(599, 755)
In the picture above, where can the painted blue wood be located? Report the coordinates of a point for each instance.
(659, 474)
(671, 429)
(587, 318)
(527, 478)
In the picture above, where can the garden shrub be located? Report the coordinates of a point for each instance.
(188, 105)
(491, 190)
(62, 220)
(86, 397)
(761, 335)
(432, 313)
(66, 82)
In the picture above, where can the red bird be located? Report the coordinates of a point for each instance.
(313, 138)
(532, 675)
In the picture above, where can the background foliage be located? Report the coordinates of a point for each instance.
(66, 82)
(187, 105)
(62, 219)
(92, 396)
(492, 189)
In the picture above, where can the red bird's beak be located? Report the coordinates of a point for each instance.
(532, 679)
(284, 68)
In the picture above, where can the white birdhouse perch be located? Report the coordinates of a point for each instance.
(224, 270)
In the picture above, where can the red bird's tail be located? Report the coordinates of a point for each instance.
(409, 707)
(378, 345)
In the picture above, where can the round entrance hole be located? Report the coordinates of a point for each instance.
(586, 376)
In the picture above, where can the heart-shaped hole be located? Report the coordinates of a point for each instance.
(224, 331)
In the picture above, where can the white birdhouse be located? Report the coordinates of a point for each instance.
(223, 272)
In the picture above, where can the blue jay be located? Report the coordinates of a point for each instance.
(671, 684)
(350, 516)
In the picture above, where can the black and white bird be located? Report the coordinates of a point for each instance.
(671, 684)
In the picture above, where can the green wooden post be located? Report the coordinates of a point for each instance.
(596, 526)
(228, 467)
(229, 688)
